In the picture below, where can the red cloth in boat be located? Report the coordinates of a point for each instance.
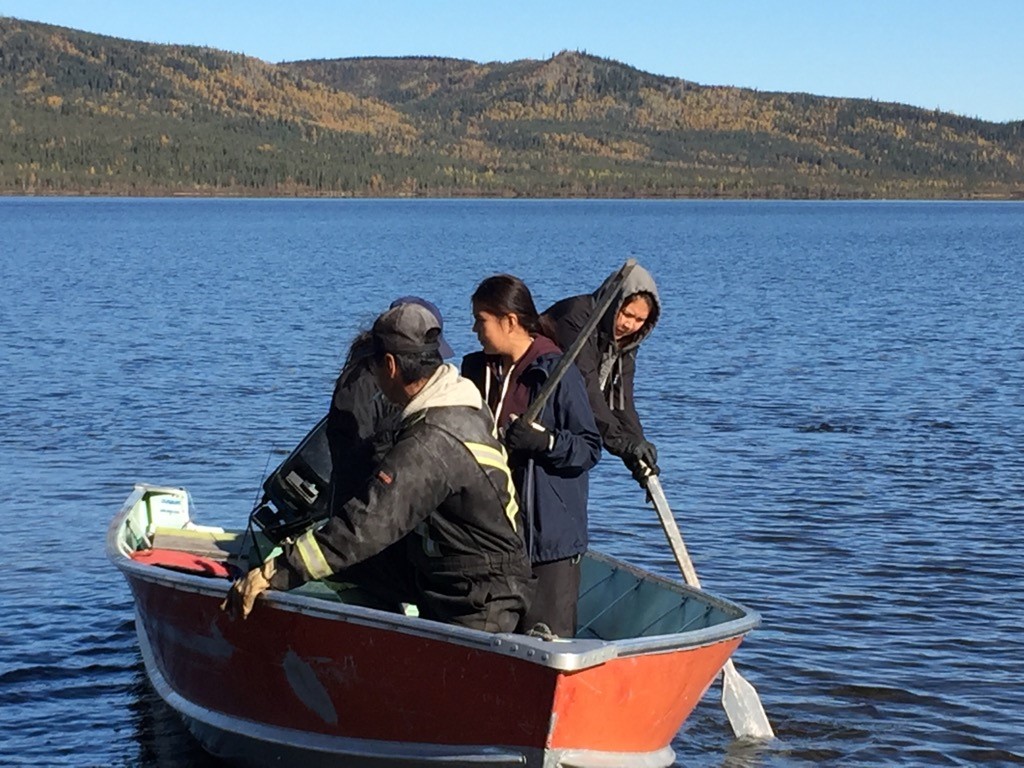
(186, 562)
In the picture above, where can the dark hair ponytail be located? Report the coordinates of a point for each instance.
(508, 295)
(360, 349)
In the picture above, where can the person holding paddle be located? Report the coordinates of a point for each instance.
(550, 456)
(607, 361)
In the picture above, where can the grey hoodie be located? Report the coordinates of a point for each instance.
(637, 281)
(445, 388)
(608, 367)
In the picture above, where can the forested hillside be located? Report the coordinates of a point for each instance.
(83, 113)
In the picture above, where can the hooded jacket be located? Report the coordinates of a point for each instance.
(360, 423)
(607, 366)
(554, 487)
(445, 490)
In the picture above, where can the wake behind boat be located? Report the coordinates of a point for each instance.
(327, 675)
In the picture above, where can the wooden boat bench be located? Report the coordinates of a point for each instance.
(216, 545)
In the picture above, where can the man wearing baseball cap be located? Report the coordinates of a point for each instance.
(361, 424)
(438, 514)
(442, 345)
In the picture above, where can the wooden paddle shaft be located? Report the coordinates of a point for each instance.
(675, 538)
(739, 698)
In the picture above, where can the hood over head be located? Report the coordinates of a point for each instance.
(639, 280)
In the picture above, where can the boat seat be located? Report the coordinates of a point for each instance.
(210, 544)
(185, 562)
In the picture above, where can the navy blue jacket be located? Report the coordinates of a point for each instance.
(553, 497)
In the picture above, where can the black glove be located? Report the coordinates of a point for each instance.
(641, 450)
(528, 437)
(641, 457)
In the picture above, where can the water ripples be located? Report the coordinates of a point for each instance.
(836, 392)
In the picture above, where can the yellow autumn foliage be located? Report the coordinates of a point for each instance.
(164, 118)
(583, 144)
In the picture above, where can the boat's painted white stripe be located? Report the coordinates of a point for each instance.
(584, 758)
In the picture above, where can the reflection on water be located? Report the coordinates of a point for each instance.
(162, 739)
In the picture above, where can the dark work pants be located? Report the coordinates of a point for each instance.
(483, 592)
(554, 600)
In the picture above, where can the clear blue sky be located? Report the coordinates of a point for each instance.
(956, 55)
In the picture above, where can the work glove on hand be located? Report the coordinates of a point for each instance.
(641, 458)
(243, 593)
(528, 437)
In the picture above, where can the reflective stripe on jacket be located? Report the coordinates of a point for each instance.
(446, 475)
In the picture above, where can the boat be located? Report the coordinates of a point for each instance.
(325, 676)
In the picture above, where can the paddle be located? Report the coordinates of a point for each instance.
(739, 698)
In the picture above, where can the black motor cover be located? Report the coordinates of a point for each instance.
(297, 493)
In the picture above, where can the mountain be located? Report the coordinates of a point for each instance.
(88, 114)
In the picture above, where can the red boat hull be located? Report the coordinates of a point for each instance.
(315, 678)
(341, 677)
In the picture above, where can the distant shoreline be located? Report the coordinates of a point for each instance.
(266, 195)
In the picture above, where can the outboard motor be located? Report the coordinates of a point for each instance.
(296, 495)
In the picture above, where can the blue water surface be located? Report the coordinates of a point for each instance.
(836, 391)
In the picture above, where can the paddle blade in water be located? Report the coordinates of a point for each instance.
(743, 706)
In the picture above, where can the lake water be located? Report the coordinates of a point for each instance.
(836, 390)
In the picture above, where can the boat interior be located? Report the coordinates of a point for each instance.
(617, 601)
